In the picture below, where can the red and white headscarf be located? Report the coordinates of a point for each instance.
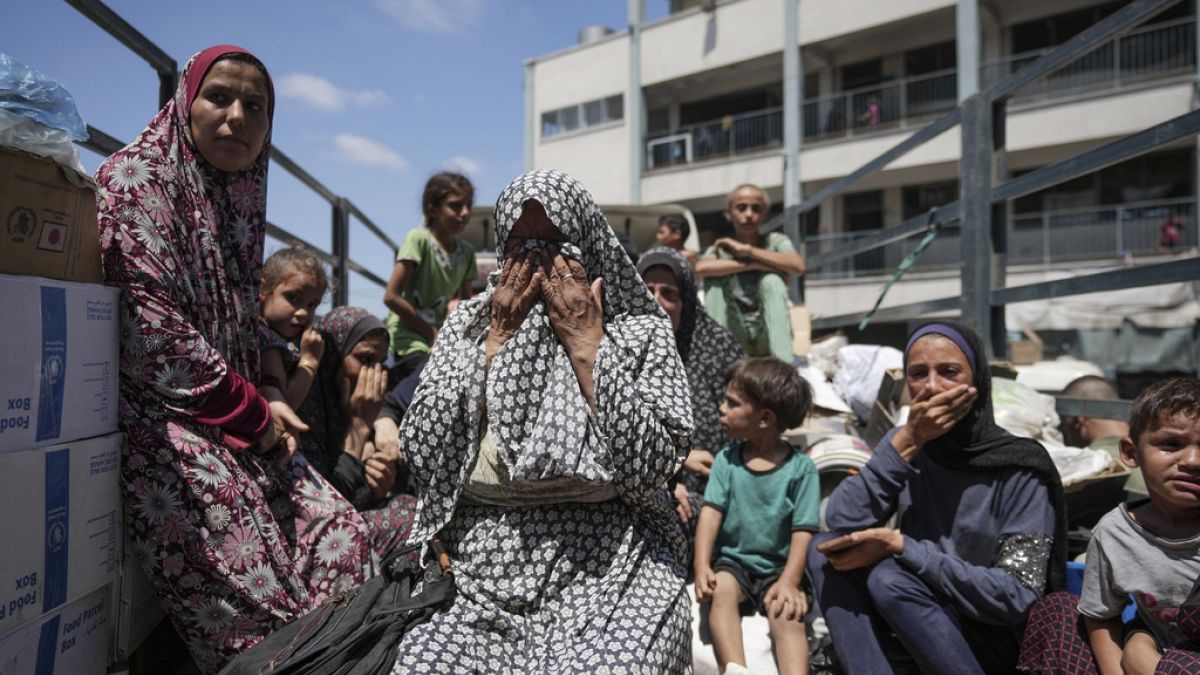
(187, 238)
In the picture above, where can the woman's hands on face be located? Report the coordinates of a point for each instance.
(366, 397)
(933, 415)
(574, 306)
(517, 289)
(863, 548)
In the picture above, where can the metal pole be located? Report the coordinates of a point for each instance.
(1121, 233)
(1045, 240)
(634, 115)
(966, 18)
(793, 88)
(979, 238)
(531, 121)
(341, 251)
(1196, 104)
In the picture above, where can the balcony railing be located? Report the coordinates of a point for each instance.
(880, 106)
(730, 135)
(1150, 52)
(1114, 233)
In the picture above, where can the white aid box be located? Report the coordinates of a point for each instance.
(58, 367)
(71, 640)
(59, 512)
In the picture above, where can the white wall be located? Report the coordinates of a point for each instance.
(577, 75)
(694, 42)
(1098, 117)
(712, 179)
(698, 41)
(826, 19)
(598, 157)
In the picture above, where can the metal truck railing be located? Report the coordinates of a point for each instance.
(982, 207)
(1116, 232)
(342, 209)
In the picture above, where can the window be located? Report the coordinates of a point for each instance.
(583, 115)
(918, 199)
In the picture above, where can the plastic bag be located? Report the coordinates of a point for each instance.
(860, 371)
(25, 134)
(27, 92)
(38, 115)
(1076, 464)
(1023, 411)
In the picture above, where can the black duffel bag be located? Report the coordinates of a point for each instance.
(357, 631)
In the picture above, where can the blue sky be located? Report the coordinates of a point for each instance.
(373, 95)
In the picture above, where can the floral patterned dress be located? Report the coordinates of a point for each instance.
(233, 545)
(707, 349)
(390, 519)
(554, 585)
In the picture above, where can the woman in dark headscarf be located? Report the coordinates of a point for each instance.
(235, 533)
(982, 532)
(543, 429)
(707, 348)
(340, 411)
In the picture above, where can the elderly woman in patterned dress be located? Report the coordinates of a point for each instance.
(552, 411)
(236, 534)
(707, 348)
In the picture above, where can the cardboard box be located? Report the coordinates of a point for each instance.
(1030, 350)
(887, 405)
(136, 610)
(48, 216)
(72, 640)
(59, 507)
(58, 368)
(1087, 500)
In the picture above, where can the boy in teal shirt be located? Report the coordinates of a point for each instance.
(760, 512)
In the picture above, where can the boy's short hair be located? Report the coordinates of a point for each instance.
(743, 186)
(676, 223)
(1178, 395)
(774, 385)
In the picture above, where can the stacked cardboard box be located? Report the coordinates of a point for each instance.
(59, 454)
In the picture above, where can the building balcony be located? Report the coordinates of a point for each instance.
(1113, 232)
(1157, 52)
(1151, 52)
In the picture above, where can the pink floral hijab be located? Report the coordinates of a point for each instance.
(188, 239)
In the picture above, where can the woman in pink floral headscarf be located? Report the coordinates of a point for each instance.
(236, 532)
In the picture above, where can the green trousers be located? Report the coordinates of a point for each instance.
(770, 334)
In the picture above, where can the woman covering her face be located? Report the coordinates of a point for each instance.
(982, 532)
(540, 436)
(707, 348)
(235, 533)
(340, 412)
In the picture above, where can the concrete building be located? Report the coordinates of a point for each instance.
(709, 114)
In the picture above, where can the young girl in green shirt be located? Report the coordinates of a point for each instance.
(433, 267)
